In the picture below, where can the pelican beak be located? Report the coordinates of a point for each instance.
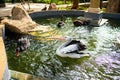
(58, 38)
(61, 38)
(17, 53)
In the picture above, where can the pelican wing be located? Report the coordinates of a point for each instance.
(80, 46)
(70, 48)
(73, 42)
(71, 52)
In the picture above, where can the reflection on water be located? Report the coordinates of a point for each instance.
(111, 60)
(40, 59)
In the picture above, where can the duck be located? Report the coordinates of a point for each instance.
(118, 39)
(78, 23)
(60, 23)
(45, 8)
(22, 44)
(86, 22)
(71, 48)
(81, 22)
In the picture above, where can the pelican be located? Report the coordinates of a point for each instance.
(71, 48)
(22, 44)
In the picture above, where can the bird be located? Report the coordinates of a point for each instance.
(78, 23)
(81, 22)
(118, 39)
(22, 44)
(71, 48)
(60, 23)
(45, 8)
(86, 22)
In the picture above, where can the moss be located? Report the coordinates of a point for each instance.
(104, 9)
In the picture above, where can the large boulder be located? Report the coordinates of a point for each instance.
(19, 26)
(52, 6)
(19, 13)
(21, 22)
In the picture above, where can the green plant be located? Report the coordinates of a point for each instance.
(82, 8)
(2, 1)
(104, 9)
(82, 1)
(54, 1)
(45, 1)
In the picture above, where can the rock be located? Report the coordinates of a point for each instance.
(21, 22)
(19, 13)
(19, 26)
(52, 6)
(82, 21)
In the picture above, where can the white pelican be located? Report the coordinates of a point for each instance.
(22, 44)
(71, 48)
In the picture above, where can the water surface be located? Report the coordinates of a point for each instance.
(41, 59)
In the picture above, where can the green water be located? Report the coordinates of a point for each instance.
(40, 58)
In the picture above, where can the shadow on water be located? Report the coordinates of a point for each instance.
(40, 58)
(114, 23)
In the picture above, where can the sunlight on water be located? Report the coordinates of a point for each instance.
(41, 59)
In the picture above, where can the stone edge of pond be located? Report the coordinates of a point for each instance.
(24, 76)
(69, 13)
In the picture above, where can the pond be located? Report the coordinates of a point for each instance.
(40, 58)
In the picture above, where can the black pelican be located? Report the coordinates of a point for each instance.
(22, 44)
(60, 23)
(71, 48)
